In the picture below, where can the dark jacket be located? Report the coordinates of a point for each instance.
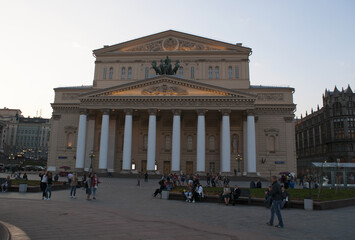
(275, 192)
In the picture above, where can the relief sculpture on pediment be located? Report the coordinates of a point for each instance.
(170, 44)
(164, 90)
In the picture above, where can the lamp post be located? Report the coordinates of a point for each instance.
(91, 155)
(238, 158)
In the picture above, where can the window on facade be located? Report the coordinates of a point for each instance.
(351, 108)
(192, 73)
(123, 73)
(111, 73)
(181, 72)
(70, 140)
(235, 143)
(216, 72)
(337, 109)
(104, 74)
(189, 143)
(167, 143)
(129, 76)
(236, 71)
(212, 167)
(210, 72)
(146, 73)
(145, 142)
(272, 144)
(212, 143)
(230, 72)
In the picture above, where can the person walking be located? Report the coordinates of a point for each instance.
(43, 185)
(95, 184)
(276, 197)
(88, 185)
(49, 186)
(73, 184)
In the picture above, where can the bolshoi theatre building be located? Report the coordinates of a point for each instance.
(173, 102)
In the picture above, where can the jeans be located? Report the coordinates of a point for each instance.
(275, 208)
(73, 191)
(49, 191)
(94, 192)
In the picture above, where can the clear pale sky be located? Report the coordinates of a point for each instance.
(308, 45)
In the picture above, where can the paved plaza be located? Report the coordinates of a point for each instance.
(125, 211)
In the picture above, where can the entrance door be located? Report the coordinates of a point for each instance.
(189, 167)
(144, 166)
(167, 167)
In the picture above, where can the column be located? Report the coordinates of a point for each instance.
(245, 147)
(127, 141)
(201, 141)
(175, 153)
(104, 140)
(225, 135)
(111, 145)
(89, 142)
(152, 132)
(251, 143)
(80, 148)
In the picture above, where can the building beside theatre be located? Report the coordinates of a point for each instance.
(138, 116)
(327, 134)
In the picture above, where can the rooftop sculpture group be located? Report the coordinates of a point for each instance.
(165, 67)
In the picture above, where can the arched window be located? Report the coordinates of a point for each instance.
(230, 72)
(235, 143)
(104, 74)
(192, 73)
(236, 71)
(167, 143)
(111, 73)
(181, 72)
(216, 72)
(212, 143)
(189, 143)
(210, 72)
(70, 140)
(146, 73)
(129, 73)
(272, 144)
(337, 109)
(123, 74)
(145, 142)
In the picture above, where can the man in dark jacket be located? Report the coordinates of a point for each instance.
(276, 197)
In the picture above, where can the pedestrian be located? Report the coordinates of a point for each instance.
(73, 184)
(276, 197)
(70, 175)
(146, 177)
(43, 185)
(49, 185)
(95, 184)
(208, 179)
(139, 179)
(235, 172)
(88, 185)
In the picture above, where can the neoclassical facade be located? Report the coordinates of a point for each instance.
(205, 118)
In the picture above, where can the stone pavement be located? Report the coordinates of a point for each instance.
(125, 211)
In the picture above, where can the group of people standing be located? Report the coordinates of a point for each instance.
(46, 184)
(90, 184)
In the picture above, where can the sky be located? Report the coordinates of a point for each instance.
(307, 45)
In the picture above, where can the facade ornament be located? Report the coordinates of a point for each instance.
(176, 111)
(128, 111)
(251, 112)
(165, 67)
(164, 90)
(152, 111)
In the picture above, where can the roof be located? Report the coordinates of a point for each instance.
(270, 87)
(75, 87)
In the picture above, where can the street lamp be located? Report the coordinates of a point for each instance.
(238, 158)
(91, 155)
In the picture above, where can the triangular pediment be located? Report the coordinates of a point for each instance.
(171, 41)
(167, 86)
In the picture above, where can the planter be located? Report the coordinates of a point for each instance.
(22, 187)
(165, 195)
(308, 204)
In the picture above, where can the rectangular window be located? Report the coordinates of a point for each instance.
(192, 73)
(237, 72)
(104, 75)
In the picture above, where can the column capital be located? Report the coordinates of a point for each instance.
(226, 112)
(176, 111)
(105, 111)
(128, 111)
(152, 111)
(251, 112)
(83, 111)
(201, 112)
